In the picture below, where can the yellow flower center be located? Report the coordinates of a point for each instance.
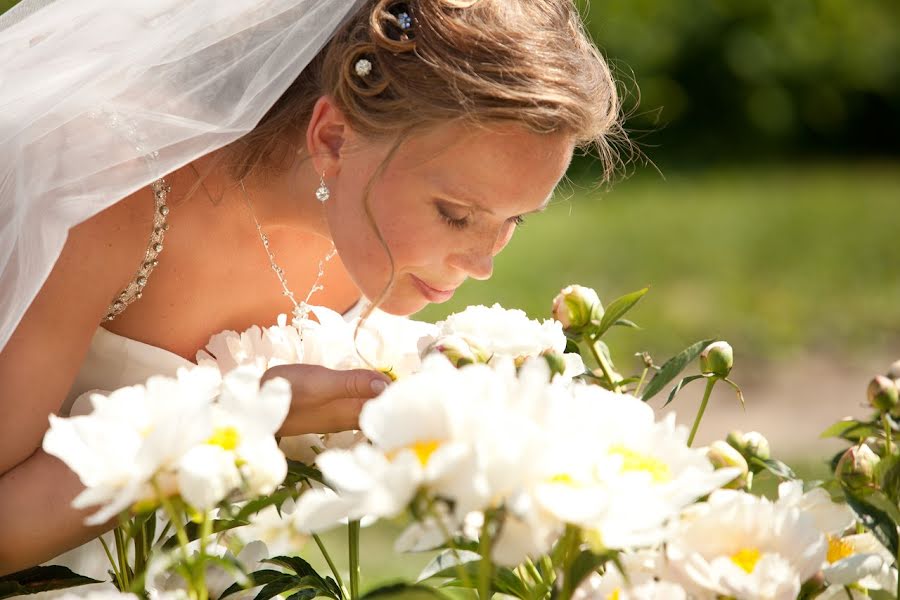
(746, 558)
(389, 371)
(563, 479)
(226, 438)
(838, 549)
(633, 461)
(614, 595)
(423, 450)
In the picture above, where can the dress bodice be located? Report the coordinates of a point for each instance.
(114, 361)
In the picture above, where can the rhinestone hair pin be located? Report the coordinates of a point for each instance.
(363, 67)
(405, 21)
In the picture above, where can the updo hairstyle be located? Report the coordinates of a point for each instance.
(528, 62)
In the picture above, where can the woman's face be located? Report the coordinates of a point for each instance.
(447, 203)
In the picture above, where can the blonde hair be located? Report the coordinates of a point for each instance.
(528, 62)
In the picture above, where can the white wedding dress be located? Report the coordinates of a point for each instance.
(113, 362)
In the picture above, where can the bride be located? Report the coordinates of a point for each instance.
(172, 169)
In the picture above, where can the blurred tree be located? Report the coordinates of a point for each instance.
(743, 78)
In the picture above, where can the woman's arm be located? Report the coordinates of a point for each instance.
(37, 368)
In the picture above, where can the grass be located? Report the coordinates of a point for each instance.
(774, 259)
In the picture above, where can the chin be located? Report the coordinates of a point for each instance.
(402, 306)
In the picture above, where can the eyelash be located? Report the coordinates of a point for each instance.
(464, 222)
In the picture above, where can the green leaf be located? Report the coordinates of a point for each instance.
(850, 430)
(254, 506)
(876, 520)
(680, 385)
(740, 394)
(887, 471)
(257, 578)
(504, 580)
(298, 471)
(586, 563)
(447, 564)
(775, 467)
(617, 309)
(673, 367)
(193, 530)
(294, 563)
(405, 591)
(626, 323)
(41, 579)
(278, 586)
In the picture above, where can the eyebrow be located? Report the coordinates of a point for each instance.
(462, 195)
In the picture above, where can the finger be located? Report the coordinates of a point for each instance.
(337, 415)
(321, 382)
(362, 383)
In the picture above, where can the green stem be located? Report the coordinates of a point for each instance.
(888, 451)
(604, 365)
(353, 542)
(460, 570)
(334, 569)
(140, 548)
(183, 542)
(569, 543)
(113, 565)
(205, 532)
(532, 571)
(709, 386)
(484, 569)
(122, 553)
(637, 390)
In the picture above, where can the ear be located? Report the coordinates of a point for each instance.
(326, 135)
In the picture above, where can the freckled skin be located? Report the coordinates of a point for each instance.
(433, 179)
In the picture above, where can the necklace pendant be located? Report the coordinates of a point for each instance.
(301, 314)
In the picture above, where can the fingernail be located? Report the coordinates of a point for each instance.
(378, 386)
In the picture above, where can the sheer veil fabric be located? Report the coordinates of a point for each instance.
(98, 98)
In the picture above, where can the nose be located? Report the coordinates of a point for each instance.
(478, 261)
(476, 265)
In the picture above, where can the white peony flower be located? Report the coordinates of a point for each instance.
(133, 438)
(745, 547)
(257, 347)
(242, 444)
(384, 342)
(619, 473)
(647, 578)
(855, 558)
(501, 332)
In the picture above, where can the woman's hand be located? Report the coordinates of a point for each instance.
(324, 400)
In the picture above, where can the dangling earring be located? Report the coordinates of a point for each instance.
(323, 193)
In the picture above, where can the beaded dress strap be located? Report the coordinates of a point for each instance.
(134, 290)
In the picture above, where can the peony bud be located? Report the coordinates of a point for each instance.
(894, 371)
(722, 455)
(458, 351)
(556, 362)
(576, 306)
(751, 445)
(717, 358)
(856, 468)
(883, 393)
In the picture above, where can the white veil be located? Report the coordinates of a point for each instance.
(98, 98)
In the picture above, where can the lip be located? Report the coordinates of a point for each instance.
(433, 295)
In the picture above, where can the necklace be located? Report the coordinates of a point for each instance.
(301, 309)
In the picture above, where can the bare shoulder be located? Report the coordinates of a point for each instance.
(42, 358)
